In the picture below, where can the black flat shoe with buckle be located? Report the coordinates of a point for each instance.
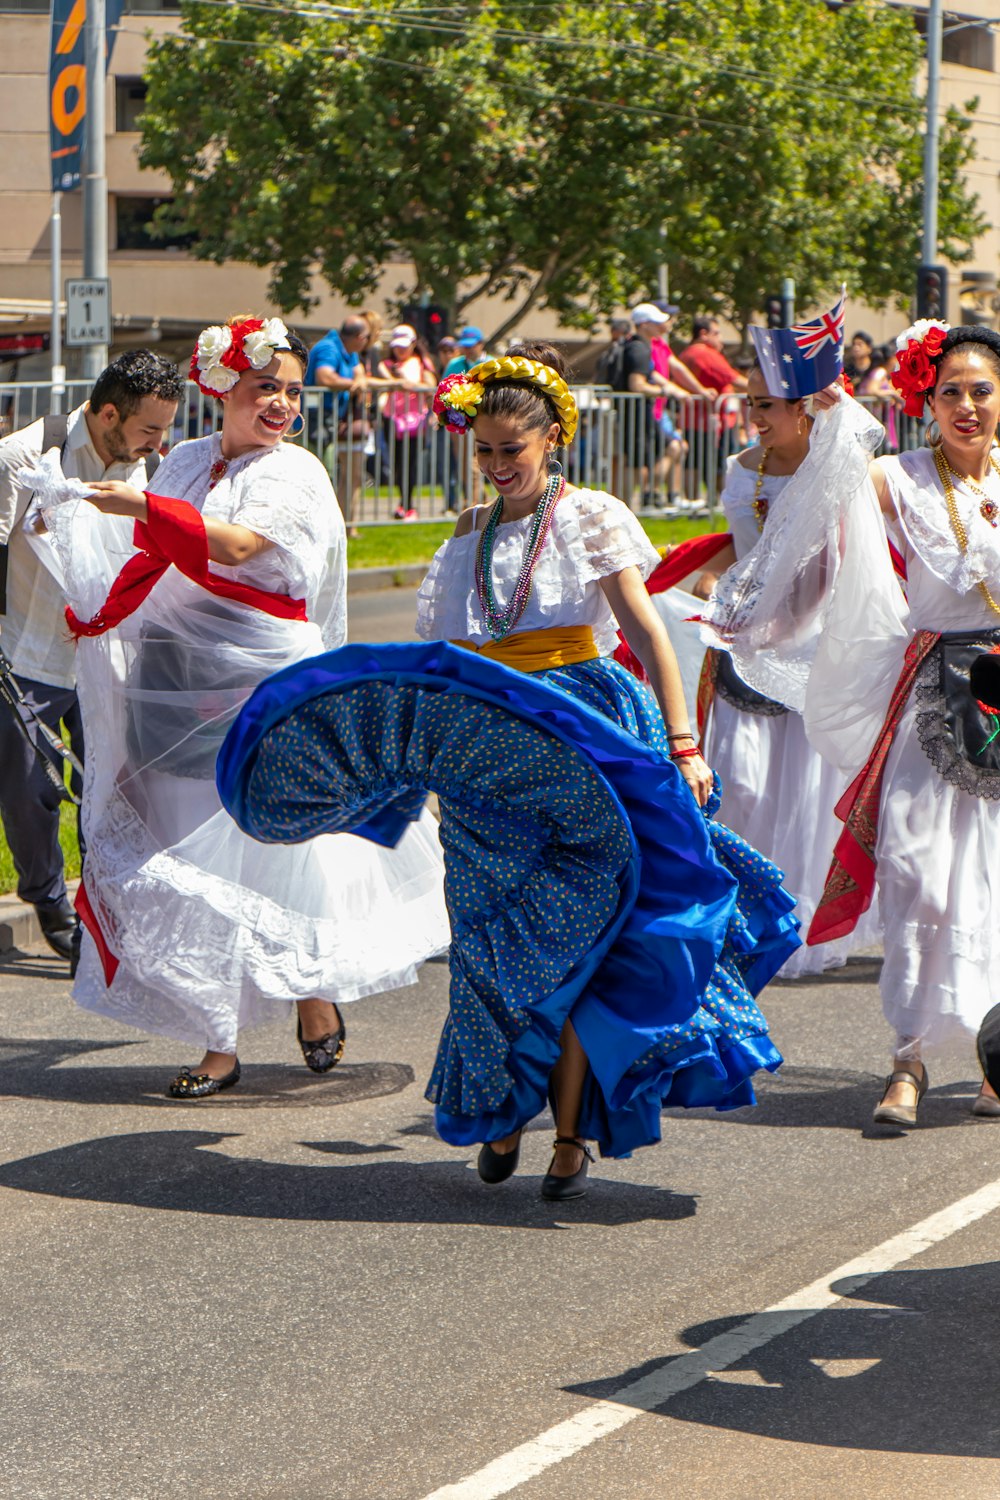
(557, 1189)
(324, 1052)
(188, 1085)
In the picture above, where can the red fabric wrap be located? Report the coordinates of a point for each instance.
(684, 559)
(851, 881)
(87, 915)
(174, 533)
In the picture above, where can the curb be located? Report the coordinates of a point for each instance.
(19, 922)
(369, 580)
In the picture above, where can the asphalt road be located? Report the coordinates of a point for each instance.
(294, 1291)
(386, 615)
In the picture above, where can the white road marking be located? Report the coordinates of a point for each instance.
(654, 1390)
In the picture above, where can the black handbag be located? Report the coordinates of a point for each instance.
(957, 736)
(730, 686)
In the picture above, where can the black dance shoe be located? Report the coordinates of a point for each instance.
(188, 1085)
(324, 1052)
(556, 1189)
(497, 1166)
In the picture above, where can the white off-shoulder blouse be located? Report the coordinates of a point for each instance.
(592, 536)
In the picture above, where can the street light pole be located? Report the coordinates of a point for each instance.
(935, 32)
(95, 182)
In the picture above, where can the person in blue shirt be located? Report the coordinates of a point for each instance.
(471, 350)
(335, 364)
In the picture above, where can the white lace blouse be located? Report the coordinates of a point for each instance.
(283, 494)
(737, 501)
(592, 536)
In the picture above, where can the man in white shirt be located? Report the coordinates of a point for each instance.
(131, 408)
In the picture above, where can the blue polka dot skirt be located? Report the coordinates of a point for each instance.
(583, 881)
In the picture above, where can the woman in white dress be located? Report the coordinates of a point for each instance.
(819, 610)
(195, 930)
(777, 792)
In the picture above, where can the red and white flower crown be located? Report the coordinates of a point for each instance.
(917, 350)
(223, 353)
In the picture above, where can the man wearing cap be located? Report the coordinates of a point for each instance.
(335, 364)
(637, 446)
(704, 357)
(471, 349)
(672, 443)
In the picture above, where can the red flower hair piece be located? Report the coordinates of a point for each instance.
(917, 351)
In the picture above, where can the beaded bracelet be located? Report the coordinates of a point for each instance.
(683, 754)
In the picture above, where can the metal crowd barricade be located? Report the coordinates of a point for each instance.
(661, 457)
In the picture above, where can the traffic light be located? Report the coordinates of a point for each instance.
(430, 321)
(932, 292)
(774, 309)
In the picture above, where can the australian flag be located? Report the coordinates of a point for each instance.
(801, 360)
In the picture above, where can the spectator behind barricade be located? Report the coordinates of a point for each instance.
(445, 460)
(670, 423)
(609, 361)
(874, 390)
(471, 349)
(408, 365)
(858, 360)
(117, 434)
(637, 445)
(335, 364)
(718, 430)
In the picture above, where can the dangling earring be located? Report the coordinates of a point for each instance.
(555, 468)
(302, 419)
(932, 435)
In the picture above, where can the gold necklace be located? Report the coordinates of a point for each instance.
(988, 507)
(760, 506)
(945, 472)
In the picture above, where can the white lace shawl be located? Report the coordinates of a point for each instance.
(283, 494)
(814, 616)
(593, 536)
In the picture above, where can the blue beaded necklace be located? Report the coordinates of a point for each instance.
(500, 621)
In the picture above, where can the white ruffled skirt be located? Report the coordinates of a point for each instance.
(779, 795)
(938, 868)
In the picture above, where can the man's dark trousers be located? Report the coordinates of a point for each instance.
(29, 804)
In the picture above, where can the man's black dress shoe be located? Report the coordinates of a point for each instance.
(59, 923)
(497, 1166)
(557, 1189)
(188, 1085)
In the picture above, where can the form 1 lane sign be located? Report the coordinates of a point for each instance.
(88, 313)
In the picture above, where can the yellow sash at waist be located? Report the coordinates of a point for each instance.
(537, 650)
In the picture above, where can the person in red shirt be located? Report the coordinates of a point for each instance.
(705, 359)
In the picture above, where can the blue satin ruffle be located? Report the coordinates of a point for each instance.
(581, 876)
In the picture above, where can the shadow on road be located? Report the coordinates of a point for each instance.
(860, 968)
(172, 1170)
(33, 1070)
(912, 1372)
(838, 1099)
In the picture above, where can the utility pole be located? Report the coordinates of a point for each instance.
(935, 32)
(55, 282)
(95, 182)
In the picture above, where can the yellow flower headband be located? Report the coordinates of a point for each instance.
(458, 397)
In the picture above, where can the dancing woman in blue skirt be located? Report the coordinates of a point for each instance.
(607, 936)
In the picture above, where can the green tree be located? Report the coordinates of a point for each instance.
(538, 152)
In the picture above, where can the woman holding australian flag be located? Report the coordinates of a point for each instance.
(778, 792)
(815, 616)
